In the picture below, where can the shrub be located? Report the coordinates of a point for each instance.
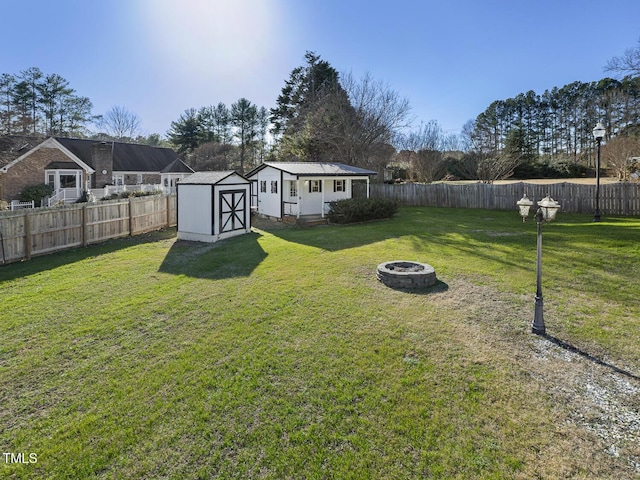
(361, 209)
(36, 193)
(129, 194)
(548, 168)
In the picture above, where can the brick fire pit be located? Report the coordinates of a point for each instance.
(405, 275)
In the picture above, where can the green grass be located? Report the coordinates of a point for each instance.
(278, 355)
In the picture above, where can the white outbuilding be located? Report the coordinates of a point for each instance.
(302, 189)
(213, 206)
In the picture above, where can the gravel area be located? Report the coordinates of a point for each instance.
(603, 398)
(594, 394)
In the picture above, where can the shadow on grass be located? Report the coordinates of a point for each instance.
(583, 354)
(438, 287)
(42, 263)
(334, 237)
(229, 258)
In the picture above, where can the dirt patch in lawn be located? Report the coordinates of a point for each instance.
(267, 224)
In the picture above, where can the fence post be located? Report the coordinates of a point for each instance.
(167, 204)
(131, 216)
(28, 241)
(85, 234)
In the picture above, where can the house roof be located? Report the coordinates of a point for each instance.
(127, 157)
(177, 166)
(13, 146)
(62, 166)
(209, 178)
(313, 169)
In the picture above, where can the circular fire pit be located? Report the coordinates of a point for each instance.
(407, 275)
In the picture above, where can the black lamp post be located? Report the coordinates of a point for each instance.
(547, 209)
(598, 134)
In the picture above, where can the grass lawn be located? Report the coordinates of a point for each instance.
(278, 355)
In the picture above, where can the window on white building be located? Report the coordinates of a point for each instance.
(339, 185)
(274, 186)
(263, 186)
(315, 186)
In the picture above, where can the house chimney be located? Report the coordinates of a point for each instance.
(102, 160)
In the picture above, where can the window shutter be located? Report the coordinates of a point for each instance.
(310, 184)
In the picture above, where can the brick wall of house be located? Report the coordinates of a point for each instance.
(30, 171)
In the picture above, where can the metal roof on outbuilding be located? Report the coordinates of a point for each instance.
(313, 169)
(209, 178)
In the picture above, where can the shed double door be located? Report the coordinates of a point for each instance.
(233, 210)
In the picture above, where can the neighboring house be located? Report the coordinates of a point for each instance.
(280, 189)
(173, 173)
(73, 165)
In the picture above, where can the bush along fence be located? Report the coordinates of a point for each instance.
(28, 233)
(621, 198)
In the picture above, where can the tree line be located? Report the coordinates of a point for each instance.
(559, 122)
(321, 115)
(534, 135)
(218, 137)
(32, 103)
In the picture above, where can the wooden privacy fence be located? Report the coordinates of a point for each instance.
(621, 198)
(28, 233)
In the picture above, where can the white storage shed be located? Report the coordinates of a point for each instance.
(213, 206)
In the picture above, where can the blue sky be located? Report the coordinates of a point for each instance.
(450, 58)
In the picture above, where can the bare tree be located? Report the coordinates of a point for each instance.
(428, 165)
(120, 123)
(359, 122)
(619, 154)
(484, 167)
(424, 148)
(626, 64)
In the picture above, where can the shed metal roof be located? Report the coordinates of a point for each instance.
(314, 169)
(209, 178)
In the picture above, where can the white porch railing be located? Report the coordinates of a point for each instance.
(64, 195)
(291, 208)
(70, 195)
(18, 205)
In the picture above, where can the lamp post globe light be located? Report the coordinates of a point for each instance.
(547, 209)
(598, 134)
(524, 204)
